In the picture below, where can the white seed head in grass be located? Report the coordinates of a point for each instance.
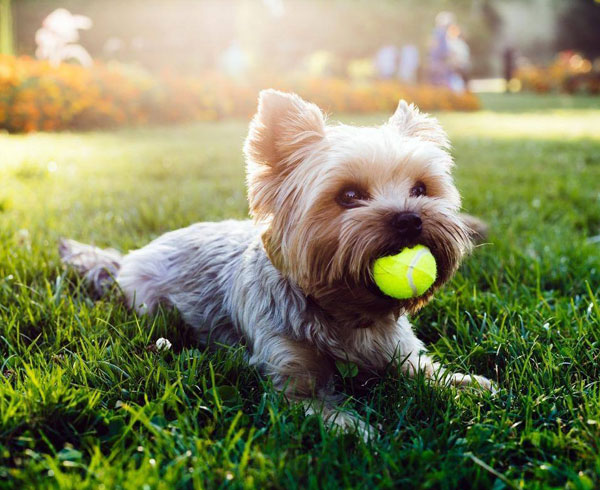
(163, 344)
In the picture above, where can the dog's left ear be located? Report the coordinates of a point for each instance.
(409, 121)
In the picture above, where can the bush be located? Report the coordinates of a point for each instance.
(570, 73)
(37, 96)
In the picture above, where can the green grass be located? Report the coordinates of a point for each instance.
(84, 401)
(529, 102)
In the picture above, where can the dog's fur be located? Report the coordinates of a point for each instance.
(295, 285)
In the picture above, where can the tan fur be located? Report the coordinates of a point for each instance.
(328, 250)
(295, 286)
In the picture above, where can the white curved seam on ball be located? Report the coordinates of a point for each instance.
(409, 272)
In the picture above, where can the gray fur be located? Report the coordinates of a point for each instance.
(221, 278)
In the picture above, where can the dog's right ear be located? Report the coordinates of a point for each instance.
(282, 128)
(409, 121)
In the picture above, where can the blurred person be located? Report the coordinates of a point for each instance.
(439, 70)
(409, 63)
(386, 61)
(459, 59)
(508, 61)
(234, 61)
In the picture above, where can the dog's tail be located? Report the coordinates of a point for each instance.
(99, 267)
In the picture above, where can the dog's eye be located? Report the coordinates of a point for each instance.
(350, 197)
(419, 189)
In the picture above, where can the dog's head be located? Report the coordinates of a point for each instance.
(335, 198)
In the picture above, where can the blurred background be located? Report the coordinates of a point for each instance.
(98, 63)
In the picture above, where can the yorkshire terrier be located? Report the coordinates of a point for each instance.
(294, 285)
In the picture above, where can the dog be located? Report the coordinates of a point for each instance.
(294, 284)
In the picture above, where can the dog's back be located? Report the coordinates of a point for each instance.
(190, 269)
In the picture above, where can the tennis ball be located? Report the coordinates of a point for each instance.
(407, 274)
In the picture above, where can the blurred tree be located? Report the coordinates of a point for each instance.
(483, 26)
(6, 28)
(579, 27)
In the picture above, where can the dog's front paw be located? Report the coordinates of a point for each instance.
(346, 422)
(339, 420)
(480, 382)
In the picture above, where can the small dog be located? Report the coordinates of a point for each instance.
(295, 285)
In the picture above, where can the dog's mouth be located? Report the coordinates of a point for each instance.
(395, 249)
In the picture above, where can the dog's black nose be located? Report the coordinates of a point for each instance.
(408, 224)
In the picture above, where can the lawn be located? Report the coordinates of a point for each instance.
(86, 401)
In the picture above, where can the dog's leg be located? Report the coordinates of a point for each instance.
(404, 347)
(304, 375)
(439, 374)
(339, 419)
(99, 267)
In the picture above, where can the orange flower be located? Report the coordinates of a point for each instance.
(34, 95)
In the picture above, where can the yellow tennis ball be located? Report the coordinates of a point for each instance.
(407, 274)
